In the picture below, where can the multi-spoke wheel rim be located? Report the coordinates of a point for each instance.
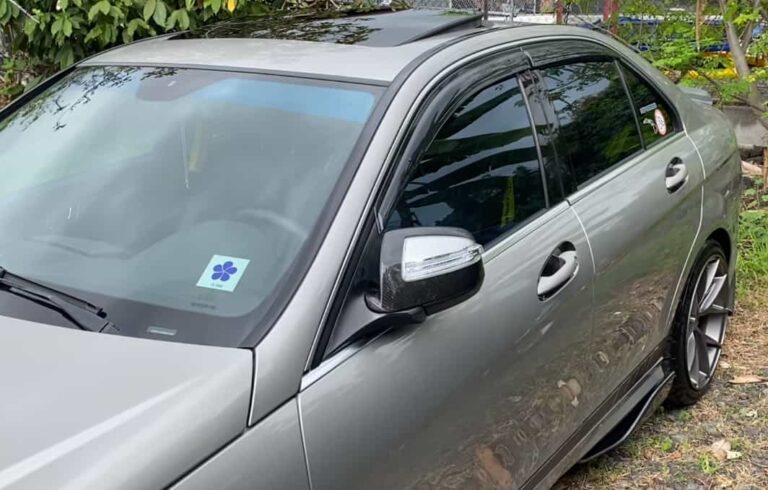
(707, 321)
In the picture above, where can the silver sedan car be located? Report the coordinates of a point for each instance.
(390, 250)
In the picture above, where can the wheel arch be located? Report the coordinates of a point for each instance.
(722, 237)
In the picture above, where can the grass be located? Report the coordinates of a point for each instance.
(752, 264)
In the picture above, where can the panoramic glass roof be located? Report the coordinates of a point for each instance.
(380, 28)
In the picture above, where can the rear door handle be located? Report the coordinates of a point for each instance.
(677, 175)
(561, 267)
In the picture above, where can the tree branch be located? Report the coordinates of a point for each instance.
(757, 109)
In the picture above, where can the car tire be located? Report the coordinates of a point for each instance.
(699, 326)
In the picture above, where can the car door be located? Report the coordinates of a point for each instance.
(635, 182)
(482, 394)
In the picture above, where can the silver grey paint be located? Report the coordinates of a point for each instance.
(269, 456)
(394, 444)
(423, 402)
(640, 252)
(480, 396)
(84, 410)
(318, 59)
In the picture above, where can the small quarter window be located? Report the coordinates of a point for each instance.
(653, 112)
(596, 126)
(480, 173)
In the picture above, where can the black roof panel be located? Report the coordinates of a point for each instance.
(380, 28)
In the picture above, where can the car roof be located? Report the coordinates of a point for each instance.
(372, 47)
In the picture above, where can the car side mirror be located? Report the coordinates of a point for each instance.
(432, 268)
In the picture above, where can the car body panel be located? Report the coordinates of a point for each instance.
(265, 55)
(641, 235)
(425, 405)
(268, 456)
(129, 413)
(283, 355)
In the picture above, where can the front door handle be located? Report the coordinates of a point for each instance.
(677, 175)
(560, 268)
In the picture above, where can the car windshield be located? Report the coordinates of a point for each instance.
(177, 199)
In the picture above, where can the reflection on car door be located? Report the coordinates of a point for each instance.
(635, 185)
(485, 392)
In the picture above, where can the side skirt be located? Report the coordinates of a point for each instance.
(636, 416)
(612, 422)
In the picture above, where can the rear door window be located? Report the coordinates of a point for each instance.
(656, 118)
(596, 125)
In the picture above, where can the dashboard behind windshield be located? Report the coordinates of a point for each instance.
(177, 199)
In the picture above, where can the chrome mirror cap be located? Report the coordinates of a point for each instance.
(434, 255)
(428, 267)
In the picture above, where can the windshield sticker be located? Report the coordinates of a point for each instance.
(223, 273)
(648, 108)
(661, 122)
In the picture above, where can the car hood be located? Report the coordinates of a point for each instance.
(87, 410)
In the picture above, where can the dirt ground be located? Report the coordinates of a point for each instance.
(722, 442)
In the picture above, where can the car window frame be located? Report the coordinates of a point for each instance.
(463, 81)
(560, 51)
(556, 123)
(414, 156)
(677, 126)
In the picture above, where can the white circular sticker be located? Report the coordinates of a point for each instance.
(661, 122)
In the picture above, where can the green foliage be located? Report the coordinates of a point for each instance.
(707, 464)
(672, 45)
(57, 33)
(752, 264)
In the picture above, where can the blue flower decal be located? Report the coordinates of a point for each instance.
(222, 272)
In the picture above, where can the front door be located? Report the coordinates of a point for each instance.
(482, 394)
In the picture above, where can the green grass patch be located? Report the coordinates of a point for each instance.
(707, 464)
(752, 263)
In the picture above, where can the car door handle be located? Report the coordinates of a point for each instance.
(560, 268)
(677, 174)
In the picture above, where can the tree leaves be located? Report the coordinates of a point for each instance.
(149, 9)
(59, 35)
(102, 7)
(161, 13)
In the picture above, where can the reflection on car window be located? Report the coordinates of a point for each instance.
(596, 126)
(175, 194)
(480, 173)
(653, 112)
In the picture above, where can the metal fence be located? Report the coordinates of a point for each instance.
(509, 8)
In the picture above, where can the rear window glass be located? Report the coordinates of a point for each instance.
(656, 118)
(597, 128)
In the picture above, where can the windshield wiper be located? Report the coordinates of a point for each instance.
(85, 315)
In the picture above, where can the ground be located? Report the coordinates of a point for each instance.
(674, 449)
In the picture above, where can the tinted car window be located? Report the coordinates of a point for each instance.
(596, 126)
(480, 173)
(545, 132)
(653, 112)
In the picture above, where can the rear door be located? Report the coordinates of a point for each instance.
(634, 179)
(482, 394)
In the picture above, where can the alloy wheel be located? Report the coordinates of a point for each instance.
(707, 322)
